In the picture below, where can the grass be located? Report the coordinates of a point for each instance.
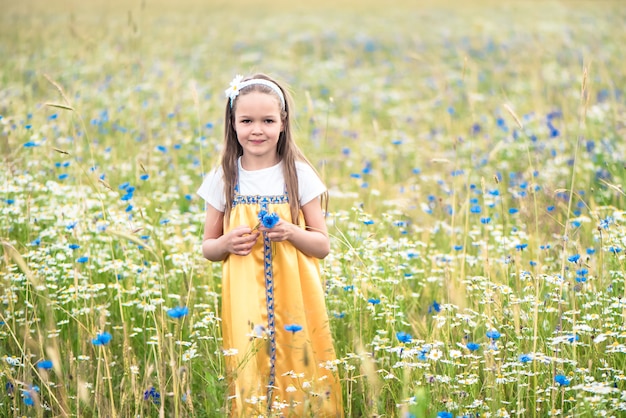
(474, 156)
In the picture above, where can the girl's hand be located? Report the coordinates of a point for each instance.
(240, 240)
(282, 231)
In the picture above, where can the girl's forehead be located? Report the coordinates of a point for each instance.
(257, 101)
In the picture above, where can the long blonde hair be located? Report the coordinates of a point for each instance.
(286, 149)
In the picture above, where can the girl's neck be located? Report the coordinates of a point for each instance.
(250, 163)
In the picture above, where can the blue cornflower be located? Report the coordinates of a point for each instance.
(152, 394)
(493, 334)
(554, 132)
(30, 144)
(604, 223)
(521, 247)
(485, 220)
(404, 337)
(44, 364)
(368, 222)
(10, 388)
(561, 380)
(424, 351)
(573, 258)
(472, 346)
(161, 148)
(475, 128)
(475, 209)
(74, 246)
(102, 338)
(615, 250)
(144, 177)
(444, 414)
(525, 358)
(27, 395)
(293, 328)
(82, 259)
(270, 220)
(434, 307)
(513, 211)
(178, 312)
(374, 301)
(458, 247)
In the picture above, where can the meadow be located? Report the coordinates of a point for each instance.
(475, 157)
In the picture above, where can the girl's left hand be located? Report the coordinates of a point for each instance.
(282, 231)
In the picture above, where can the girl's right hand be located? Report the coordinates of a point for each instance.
(240, 240)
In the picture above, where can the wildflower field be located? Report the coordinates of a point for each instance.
(475, 155)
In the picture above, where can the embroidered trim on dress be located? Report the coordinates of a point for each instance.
(255, 200)
(269, 300)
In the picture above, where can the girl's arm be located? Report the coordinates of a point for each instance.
(312, 241)
(216, 246)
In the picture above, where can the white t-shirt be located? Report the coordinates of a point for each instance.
(265, 182)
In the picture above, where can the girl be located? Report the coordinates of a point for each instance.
(280, 355)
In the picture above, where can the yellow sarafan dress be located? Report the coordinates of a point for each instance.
(280, 354)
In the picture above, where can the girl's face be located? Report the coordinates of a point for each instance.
(258, 126)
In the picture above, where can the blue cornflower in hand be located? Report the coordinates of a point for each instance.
(268, 220)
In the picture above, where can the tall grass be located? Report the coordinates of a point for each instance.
(475, 159)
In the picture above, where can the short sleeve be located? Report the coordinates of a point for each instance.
(310, 185)
(212, 189)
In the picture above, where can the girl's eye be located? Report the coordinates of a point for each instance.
(269, 121)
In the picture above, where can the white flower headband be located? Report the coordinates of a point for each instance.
(236, 85)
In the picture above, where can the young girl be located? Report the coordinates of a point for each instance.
(280, 355)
